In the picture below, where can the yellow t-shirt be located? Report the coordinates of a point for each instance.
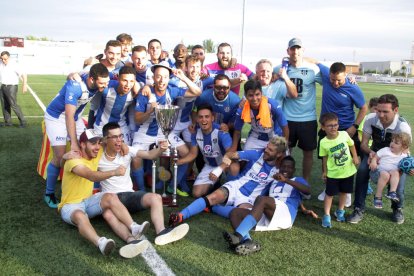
(361, 130)
(76, 188)
(339, 163)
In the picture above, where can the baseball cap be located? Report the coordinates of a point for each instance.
(89, 135)
(295, 42)
(163, 64)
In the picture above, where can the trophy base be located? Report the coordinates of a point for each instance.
(168, 201)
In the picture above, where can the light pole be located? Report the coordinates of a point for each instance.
(242, 35)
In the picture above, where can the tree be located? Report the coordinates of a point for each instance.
(32, 37)
(209, 46)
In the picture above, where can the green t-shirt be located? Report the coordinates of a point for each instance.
(339, 161)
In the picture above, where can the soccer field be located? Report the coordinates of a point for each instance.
(35, 241)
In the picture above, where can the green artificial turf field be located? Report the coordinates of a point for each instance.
(35, 241)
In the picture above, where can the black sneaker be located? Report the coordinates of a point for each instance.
(232, 239)
(247, 247)
(172, 234)
(356, 216)
(133, 248)
(398, 216)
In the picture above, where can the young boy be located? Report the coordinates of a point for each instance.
(386, 161)
(274, 212)
(372, 105)
(338, 166)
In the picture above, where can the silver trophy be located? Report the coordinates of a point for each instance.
(166, 116)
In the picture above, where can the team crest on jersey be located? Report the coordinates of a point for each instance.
(304, 72)
(207, 148)
(227, 109)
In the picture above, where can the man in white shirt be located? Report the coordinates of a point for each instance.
(135, 201)
(9, 76)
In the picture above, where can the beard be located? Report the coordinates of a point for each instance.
(226, 66)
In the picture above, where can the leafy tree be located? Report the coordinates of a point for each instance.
(209, 46)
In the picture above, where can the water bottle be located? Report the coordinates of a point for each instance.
(285, 63)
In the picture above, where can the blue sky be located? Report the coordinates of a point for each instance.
(330, 30)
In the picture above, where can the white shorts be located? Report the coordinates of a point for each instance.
(56, 129)
(236, 198)
(203, 176)
(182, 128)
(253, 143)
(143, 142)
(281, 219)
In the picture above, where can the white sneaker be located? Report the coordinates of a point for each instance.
(133, 248)
(172, 234)
(321, 196)
(106, 245)
(348, 201)
(138, 230)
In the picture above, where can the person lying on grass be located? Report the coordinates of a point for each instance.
(274, 212)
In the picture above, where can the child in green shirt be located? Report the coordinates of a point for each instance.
(338, 166)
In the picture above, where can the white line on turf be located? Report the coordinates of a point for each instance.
(155, 262)
(39, 102)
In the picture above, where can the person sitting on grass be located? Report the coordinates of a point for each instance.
(338, 166)
(212, 144)
(78, 203)
(274, 212)
(385, 163)
(140, 200)
(254, 180)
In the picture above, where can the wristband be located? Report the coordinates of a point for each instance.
(356, 126)
(217, 171)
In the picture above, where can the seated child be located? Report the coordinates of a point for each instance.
(386, 163)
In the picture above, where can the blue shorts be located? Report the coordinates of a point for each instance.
(90, 206)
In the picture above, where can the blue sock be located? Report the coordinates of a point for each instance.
(221, 210)
(52, 176)
(181, 180)
(246, 225)
(196, 207)
(247, 237)
(138, 176)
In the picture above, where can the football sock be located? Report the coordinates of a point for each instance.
(246, 225)
(52, 176)
(138, 176)
(197, 206)
(223, 211)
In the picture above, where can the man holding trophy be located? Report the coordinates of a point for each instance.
(148, 131)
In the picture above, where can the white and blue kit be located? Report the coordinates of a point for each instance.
(259, 136)
(302, 108)
(73, 93)
(225, 110)
(148, 132)
(186, 105)
(254, 180)
(212, 146)
(113, 108)
(287, 201)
